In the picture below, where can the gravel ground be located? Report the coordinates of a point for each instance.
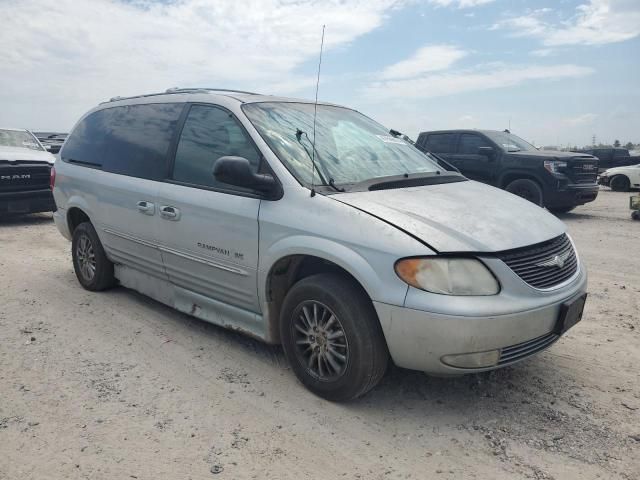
(114, 385)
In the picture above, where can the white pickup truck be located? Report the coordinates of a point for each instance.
(25, 169)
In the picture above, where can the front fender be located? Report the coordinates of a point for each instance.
(385, 287)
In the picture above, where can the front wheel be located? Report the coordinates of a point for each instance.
(620, 183)
(332, 338)
(564, 209)
(527, 189)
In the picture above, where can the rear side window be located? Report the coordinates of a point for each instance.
(86, 144)
(440, 142)
(130, 140)
(208, 134)
(470, 142)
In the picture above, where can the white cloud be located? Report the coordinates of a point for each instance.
(460, 3)
(594, 23)
(426, 59)
(542, 52)
(481, 78)
(61, 57)
(580, 120)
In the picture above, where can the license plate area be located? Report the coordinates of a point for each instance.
(570, 314)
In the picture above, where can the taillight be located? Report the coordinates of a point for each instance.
(52, 178)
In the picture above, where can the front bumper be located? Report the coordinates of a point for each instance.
(419, 339)
(27, 202)
(571, 194)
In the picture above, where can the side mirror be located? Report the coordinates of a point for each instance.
(237, 171)
(486, 151)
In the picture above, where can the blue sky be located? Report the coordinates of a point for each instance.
(558, 71)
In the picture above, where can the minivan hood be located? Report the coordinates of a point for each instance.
(460, 217)
(27, 154)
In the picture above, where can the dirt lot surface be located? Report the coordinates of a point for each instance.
(113, 385)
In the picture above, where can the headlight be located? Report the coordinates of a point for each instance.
(554, 166)
(448, 276)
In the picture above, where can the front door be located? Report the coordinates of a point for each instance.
(471, 163)
(209, 229)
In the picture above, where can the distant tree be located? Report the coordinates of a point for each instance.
(629, 146)
(616, 144)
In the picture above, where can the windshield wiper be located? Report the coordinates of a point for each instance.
(331, 182)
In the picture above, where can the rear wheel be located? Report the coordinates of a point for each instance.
(332, 338)
(620, 183)
(92, 267)
(527, 189)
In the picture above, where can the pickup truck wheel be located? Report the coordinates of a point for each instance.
(332, 338)
(527, 189)
(564, 209)
(620, 183)
(92, 267)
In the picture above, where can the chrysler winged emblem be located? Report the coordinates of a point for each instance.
(557, 261)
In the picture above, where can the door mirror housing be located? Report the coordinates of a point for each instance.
(486, 151)
(237, 171)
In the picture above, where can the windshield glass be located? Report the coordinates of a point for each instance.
(18, 138)
(350, 147)
(510, 142)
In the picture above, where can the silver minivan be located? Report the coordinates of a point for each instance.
(314, 227)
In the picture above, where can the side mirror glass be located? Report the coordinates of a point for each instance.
(237, 171)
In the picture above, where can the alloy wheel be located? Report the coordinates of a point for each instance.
(320, 341)
(86, 257)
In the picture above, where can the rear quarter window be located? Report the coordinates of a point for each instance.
(130, 140)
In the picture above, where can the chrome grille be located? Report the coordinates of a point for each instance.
(528, 263)
(522, 350)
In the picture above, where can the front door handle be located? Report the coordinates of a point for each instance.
(169, 213)
(147, 208)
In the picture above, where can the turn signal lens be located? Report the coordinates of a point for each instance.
(448, 276)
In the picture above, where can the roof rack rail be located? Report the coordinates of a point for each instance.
(182, 90)
(199, 89)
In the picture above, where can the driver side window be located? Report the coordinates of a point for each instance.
(469, 144)
(208, 134)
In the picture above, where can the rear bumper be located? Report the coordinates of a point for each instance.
(33, 201)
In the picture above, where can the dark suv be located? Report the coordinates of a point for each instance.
(559, 181)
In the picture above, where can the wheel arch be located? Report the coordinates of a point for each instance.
(508, 177)
(287, 265)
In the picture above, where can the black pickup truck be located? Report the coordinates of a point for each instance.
(559, 181)
(25, 169)
(610, 157)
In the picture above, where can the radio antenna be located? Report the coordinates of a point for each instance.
(315, 113)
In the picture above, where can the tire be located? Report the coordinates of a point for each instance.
(527, 189)
(620, 183)
(92, 267)
(355, 333)
(565, 209)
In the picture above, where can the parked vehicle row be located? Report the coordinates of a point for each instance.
(25, 168)
(51, 141)
(313, 227)
(612, 157)
(559, 181)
